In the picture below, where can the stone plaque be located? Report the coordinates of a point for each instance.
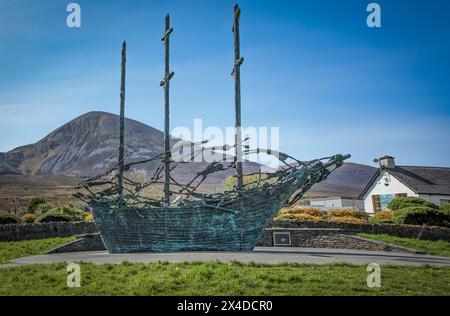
(282, 239)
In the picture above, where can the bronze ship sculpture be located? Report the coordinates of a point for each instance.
(230, 221)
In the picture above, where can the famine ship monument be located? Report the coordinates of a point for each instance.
(230, 221)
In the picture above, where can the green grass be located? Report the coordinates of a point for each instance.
(435, 248)
(212, 279)
(18, 249)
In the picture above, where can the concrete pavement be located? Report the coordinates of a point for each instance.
(260, 255)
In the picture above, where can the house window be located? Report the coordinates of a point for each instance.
(444, 202)
(381, 202)
(376, 201)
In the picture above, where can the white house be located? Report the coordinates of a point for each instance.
(390, 181)
(337, 203)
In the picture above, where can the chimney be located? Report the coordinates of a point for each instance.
(387, 162)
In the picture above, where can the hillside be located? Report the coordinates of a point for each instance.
(88, 146)
(347, 181)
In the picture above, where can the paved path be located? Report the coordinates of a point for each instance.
(260, 255)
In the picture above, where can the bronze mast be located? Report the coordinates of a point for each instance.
(122, 119)
(166, 84)
(238, 61)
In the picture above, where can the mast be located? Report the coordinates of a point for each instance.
(238, 61)
(166, 84)
(122, 119)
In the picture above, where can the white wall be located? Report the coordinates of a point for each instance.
(326, 202)
(435, 199)
(379, 188)
(337, 203)
(353, 204)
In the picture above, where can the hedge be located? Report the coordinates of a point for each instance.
(408, 201)
(421, 215)
(8, 218)
(67, 213)
(54, 215)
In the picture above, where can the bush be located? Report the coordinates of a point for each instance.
(421, 215)
(8, 218)
(249, 180)
(300, 217)
(67, 213)
(384, 217)
(42, 208)
(298, 213)
(407, 201)
(347, 219)
(445, 208)
(348, 213)
(53, 216)
(89, 217)
(29, 218)
(306, 210)
(76, 215)
(35, 202)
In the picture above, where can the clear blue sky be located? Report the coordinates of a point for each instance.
(313, 68)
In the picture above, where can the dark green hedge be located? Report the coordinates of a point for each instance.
(67, 213)
(421, 215)
(404, 202)
(53, 216)
(8, 218)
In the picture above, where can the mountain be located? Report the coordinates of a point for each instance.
(88, 146)
(347, 181)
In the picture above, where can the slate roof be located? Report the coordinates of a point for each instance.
(422, 180)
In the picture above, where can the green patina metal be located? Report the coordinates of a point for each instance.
(234, 220)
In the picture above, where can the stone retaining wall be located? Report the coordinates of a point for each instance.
(49, 230)
(421, 232)
(327, 238)
(44, 230)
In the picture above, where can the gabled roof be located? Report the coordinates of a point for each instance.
(422, 180)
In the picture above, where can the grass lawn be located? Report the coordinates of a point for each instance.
(436, 248)
(212, 278)
(18, 249)
(209, 278)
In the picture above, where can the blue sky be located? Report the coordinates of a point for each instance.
(313, 68)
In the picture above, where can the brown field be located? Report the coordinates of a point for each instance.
(16, 191)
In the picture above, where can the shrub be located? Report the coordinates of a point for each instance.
(8, 218)
(313, 212)
(89, 217)
(348, 213)
(347, 219)
(76, 215)
(445, 208)
(67, 213)
(303, 217)
(384, 217)
(29, 218)
(42, 208)
(306, 210)
(53, 216)
(249, 180)
(298, 213)
(35, 202)
(421, 215)
(407, 201)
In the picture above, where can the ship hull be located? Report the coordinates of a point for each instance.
(201, 228)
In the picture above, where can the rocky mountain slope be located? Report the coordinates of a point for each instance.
(87, 146)
(347, 181)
